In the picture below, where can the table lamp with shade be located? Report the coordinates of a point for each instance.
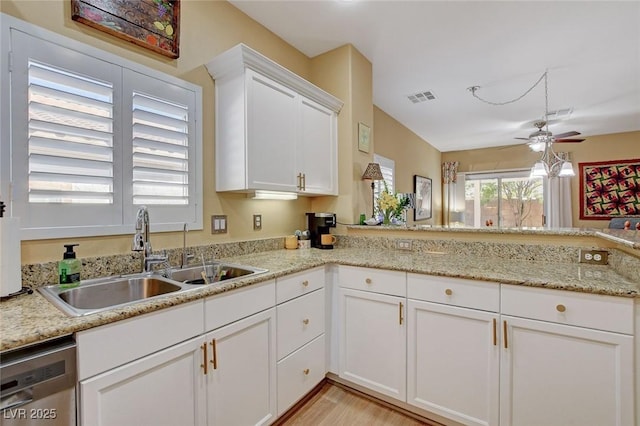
(373, 173)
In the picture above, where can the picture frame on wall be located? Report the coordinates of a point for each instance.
(364, 137)
(609, 189)
(152, 24)
(422, 187)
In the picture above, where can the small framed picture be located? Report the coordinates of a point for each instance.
(422, 188)
(364, 137)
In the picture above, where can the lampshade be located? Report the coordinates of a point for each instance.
(567, 169)
(373, 172)
(538, 169)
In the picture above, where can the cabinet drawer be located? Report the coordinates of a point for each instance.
(299, 284)
(234, 305)
(607, 313)
(376, 280)
(103, 348)
(300, 372)
(299, 321)
(454, 291)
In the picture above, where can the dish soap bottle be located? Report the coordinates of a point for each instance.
(69, 268)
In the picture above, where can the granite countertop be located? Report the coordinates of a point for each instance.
(627, 238)
(31, 318)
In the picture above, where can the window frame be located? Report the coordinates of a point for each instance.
(163, 219)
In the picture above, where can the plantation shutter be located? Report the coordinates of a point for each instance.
(70, 137)
(387, 166)
(160, 151)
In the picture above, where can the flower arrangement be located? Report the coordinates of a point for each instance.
(391, 206)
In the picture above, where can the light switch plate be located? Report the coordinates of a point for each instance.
(257, 222)
(219, 224)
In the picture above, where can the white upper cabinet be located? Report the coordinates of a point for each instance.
(274, 130)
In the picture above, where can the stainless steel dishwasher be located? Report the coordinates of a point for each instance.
(38, 384)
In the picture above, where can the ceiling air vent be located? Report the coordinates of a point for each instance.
(421, 97)
(560, 114)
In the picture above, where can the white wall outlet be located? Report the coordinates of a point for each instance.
(403, 244)
(594, 257)
(257, 222)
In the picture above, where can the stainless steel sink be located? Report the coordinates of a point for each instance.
(221, 272)
(101, 294)
(92, 296)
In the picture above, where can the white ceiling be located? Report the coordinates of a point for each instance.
(591, 49)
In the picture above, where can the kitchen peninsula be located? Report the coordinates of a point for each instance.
(465, 270)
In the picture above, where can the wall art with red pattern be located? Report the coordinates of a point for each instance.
(609, 189)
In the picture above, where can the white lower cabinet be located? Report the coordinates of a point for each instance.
(373, 341)
(241, 376)
(166, 388)
(300, 335)
(558, 375)
(300, 372)
(453, 362)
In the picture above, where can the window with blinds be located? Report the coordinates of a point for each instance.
(160, 151)
(70, 137)
(92, 137)
(388, 168)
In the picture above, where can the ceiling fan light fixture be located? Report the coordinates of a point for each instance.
(538, 169)
(566, 169)
(537, 146)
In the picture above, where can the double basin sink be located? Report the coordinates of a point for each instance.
(101, 294)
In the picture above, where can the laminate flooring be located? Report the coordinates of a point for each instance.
(335, 406)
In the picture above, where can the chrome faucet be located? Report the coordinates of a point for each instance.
(186, 257)
(141, 242)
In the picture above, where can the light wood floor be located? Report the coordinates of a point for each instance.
(334, 406)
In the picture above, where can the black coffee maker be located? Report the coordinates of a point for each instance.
(318, 224)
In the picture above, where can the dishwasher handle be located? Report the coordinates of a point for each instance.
(17, 399)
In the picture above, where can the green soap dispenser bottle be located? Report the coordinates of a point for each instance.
(69, 268)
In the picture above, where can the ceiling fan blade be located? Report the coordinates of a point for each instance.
(566, 135)
(568, 140)
(524, 139)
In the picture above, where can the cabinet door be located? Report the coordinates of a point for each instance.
(560, 375)
(241, 382)
(373, 341)
(453, 362)
(317, 153)
(166, 388)
(271, 134)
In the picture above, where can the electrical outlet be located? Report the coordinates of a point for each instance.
(403, 244)
(219, 224)
(257, 222)
(594, 257)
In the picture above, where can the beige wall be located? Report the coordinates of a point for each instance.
(617, 146)
(412, 156)
(207, 29)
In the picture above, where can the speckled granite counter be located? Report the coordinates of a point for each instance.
(31, 318)
(626, 238)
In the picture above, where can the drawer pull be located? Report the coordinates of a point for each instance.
(305, 283)
(204, 366)
(561, 308)
(448, 292)
(368, 281)
(401, 317)
(305, 321)
(306, 371)
(214, 361)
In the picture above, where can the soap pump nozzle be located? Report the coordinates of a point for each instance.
(69, 254)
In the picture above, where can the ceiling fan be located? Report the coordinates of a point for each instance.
(538, 139)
